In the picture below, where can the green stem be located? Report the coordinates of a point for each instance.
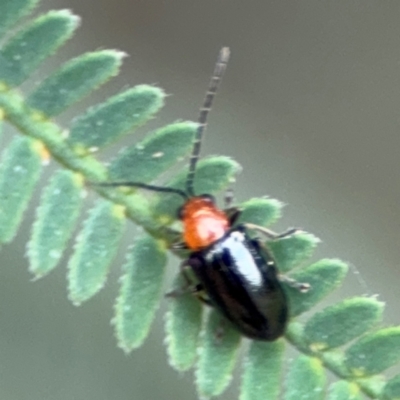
(333, 361)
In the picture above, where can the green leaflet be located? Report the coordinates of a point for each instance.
(374, 352)
(22, 54)
(343, 390)
(182, 327)
(323, 277)
(1, 123)
(74, 80)
(12, 10)
(212, 175)
(262, 371)
(338, 324)
(305, 379)
(391, 391)
(20, 169)
(146, 160)
(95, 248)
(260, 211)
(55, 220)
(372, 386)
(291, 251)
(140, 292)
(104, 123)
(218, 354)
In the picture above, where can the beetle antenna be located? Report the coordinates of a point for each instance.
(143, 186)
(219, 70)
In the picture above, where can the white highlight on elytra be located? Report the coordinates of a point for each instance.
(251, 272)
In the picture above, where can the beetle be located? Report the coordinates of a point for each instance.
(234, 272)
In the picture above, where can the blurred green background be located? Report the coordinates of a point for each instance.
(309, 107)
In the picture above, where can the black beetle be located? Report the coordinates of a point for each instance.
(233, 272)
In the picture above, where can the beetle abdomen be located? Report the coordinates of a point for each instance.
(240, 279)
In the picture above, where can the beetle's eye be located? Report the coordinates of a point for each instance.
(179, 213)
(208, 197)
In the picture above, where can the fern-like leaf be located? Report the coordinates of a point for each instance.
(19, 171)
(114, 118)
(56, 217)
(24, 52)
(218, 354)
(140, 292)
(183, 326)
(74, 80)
(212, 346)
(95, 248)
(11, 11)
(262, 370)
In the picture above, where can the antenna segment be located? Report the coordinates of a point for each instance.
(220, 67)
(145, 186)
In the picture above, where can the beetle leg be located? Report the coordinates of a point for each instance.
(190, 287)
(196, 289)
(181, 245)
(175, 237)
(271, 234)
(229, 198)
(302, 287)
(233, 214)
(200, 295)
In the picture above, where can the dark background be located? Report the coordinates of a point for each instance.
(309, 107)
